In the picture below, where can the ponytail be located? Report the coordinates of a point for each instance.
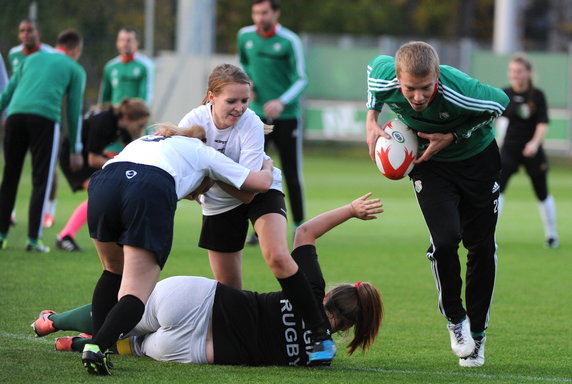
(168, 129)
(359, 306)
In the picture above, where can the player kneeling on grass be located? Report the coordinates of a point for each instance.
(248, 328)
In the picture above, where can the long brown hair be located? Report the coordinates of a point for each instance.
(132, 108)
(222, 75)
(359, 306)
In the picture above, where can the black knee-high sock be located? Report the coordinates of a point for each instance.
(121, 319)
(297, 289)
(104, 298)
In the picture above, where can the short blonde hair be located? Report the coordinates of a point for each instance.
(417, 58)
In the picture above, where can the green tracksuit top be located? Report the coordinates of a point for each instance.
(19, 53)
(461, 104)
(276, 66)
(38, 87)
(127, 77)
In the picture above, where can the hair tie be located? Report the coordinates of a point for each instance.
(356, 285)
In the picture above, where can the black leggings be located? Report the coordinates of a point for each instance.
(287, 136)
(536, 168)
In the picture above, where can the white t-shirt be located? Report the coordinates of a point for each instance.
(186, 159)
(243, 143)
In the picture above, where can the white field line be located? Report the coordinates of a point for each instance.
(460, 374)
(365, 369)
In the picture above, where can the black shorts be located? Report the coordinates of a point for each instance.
(227, 231)
(512, 158)
(133, 204)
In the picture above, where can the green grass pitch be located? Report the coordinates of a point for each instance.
(530, 329)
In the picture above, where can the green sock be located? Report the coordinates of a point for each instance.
(478, 335)
(78, 319)
(78, 343)
(3, 236)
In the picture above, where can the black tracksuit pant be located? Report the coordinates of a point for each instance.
(459, 202)
(41, 136)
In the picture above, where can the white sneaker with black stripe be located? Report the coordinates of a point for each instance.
(477, 358)
(462, 342)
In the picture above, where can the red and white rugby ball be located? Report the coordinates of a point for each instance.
(395, 156)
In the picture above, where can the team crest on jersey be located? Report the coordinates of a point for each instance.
(114, 72)
(249, 44)
(130, 174)
(444, 115)
(277, 47)
(136, 71)
(418, 186)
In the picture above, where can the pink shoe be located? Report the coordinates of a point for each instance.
(49, 220)
(44, 326)
(64, 344)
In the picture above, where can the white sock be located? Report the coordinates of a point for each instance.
(547, 209)
(52, 207)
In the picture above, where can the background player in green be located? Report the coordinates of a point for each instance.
(129, 75)
(273, 58)
(3, 75)
(35, 93)
(29, 36)
(455, 178)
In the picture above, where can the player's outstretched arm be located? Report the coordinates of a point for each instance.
(363, 208)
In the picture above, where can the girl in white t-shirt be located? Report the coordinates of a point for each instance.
(237, 132)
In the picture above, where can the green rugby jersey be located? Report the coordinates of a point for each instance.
(462, 104)
(131, 77)
(276, 66)
(38, 87)
(19, 53)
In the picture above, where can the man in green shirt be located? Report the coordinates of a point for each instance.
(455, 178)
(34, 95)
(273, 58)
(29, 36)
(128, 75)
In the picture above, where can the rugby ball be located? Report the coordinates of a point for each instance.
(395, 156)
